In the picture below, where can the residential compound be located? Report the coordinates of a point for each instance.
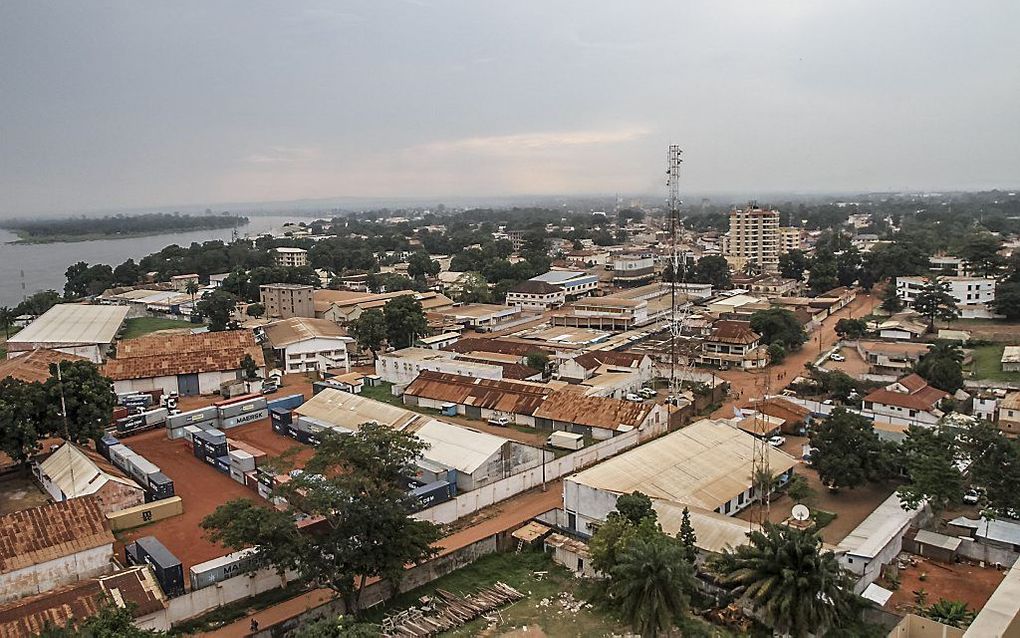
(303, 344)
(972, 294)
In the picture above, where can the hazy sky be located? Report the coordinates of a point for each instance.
(121, 104)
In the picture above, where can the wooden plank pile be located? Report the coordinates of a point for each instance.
(447, 611)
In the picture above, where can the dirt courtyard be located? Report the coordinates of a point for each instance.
(958, 581)
(19, 492)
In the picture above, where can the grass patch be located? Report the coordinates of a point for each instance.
(383, 393)
(987, 364)
(140, 326)
(229, 613)
(519, 571)
(822, 518)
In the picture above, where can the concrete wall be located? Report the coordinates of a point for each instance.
(978, 551)
(201, 601)
(65, 570)
(471, 502)
(913, 626)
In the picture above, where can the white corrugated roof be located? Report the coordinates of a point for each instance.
(881, 526)
(716, 532)
(464, 449)
(75, 474)
(703, 465)
(74, 323)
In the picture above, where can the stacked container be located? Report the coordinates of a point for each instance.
(167, 568)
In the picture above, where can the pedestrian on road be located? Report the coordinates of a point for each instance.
(254, 625)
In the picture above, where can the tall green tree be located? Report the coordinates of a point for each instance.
(824, 273)
(891, 301)
(847, 452)
(942, 366)
(369, 329)
(80, 400)
(931, 458)
(635, 507)
(405, 321)
(981, 253)
(217, 307)
(792, 264)
(995, 466)
(934, 301)
(687, 537)
(1007, 300)
(778, 325)
(420, 266)
(7, 318)
(473, 289)
(852, 329)
(23, 413)
(714, 270)
(793, 585)
(356, 484)
(650, 582)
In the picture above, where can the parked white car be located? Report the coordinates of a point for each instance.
(777, 441)
(500, 421)
(835, 356)
(646, 393)
(633, 397)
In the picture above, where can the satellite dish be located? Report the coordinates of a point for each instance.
(801, 512)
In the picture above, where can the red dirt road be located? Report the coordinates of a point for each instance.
(745, 386)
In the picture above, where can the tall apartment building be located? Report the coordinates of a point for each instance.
(290, 257)
(754, 236)
(790, 238)
(283, 301)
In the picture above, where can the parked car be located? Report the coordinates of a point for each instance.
(646, 393)
(723, 367)
(971, 497)
(500, 421)
(633, 397)
(835, 356)
(269, 388)
(776, 441)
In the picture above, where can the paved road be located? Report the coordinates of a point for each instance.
(502, 516)
(745, 386)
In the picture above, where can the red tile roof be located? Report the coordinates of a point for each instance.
(731, 331)
(536, 288)
(167, 355)
(35, 365)
(921, 396)
(45, 533)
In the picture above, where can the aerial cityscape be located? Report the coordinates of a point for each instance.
(511, 320)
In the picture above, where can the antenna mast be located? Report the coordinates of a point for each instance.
(761, 469)
(679, 309)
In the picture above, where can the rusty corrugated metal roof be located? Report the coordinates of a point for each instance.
(45, 533)
(600, 412)
(511, 397)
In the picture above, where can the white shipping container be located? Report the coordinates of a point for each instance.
(119, 455)
(190, 431)
(175, 433)
(141, 468)
(222, 568)
(241, 460)
(237, 475)
(241, 419)
(566, 440)
(264, 490)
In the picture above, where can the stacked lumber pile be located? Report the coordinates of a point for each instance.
(447, 611)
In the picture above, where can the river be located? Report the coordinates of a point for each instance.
(27, 268)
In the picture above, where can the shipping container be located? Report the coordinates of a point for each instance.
(130, 425)
(223, 568)
(160, 486)
(144, 514)
(215, 436)
(119, 454)
(432, 494)
(140, 468)
(222, 463)
(238, 399)
(104, 443)
(565, 440)
(175, 433)
(155, 417)
(167, 569)
(241, 460)
(242, 419)
(279, 419)
(190, 431)
(192, 417)
(237, 475)
(264, 490)
(242, 407)
(135, 399)
(120, 412)
(288, 402)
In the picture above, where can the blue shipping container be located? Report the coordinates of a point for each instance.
(288, 402)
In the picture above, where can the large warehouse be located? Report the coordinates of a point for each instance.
(188, 364)
(79, 329)
(706, 465)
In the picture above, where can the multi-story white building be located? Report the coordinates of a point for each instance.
(754, 236)
(790, 238)
(633, 268)
(305, 344)
(949, 265)
(972, 294)
(575, 283)
(536, 296)
(290, 257)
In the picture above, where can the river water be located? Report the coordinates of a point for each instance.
(27, 268)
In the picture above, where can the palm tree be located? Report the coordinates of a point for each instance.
(649, 582)
(191, 288)
(792, 585)
(7, 317)
(950, 612)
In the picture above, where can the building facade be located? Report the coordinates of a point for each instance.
(536, 296)
(972, 294)
(754, 237)
(283, 301)
(290, 257)
(633, 268)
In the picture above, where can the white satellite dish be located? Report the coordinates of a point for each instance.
(800, 512)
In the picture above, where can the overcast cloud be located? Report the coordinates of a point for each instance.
(131, 104)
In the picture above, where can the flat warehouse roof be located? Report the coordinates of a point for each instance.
(74, 323)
